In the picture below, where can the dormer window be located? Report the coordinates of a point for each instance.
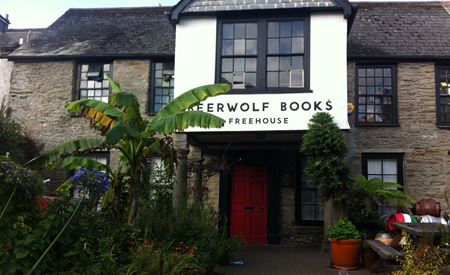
(263, 55)
(92, 81)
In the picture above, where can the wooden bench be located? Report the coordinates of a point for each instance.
(385, 253)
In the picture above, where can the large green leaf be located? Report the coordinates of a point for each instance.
(80, 106)
(175, 117)
(181, 121)
(67, 149)
(114, 85)
(73, 162)
(129, 104)
(191, 98)
(118, 131)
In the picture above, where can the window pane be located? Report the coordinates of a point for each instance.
(272, 79)
(228, 77)
(250, 79)
(284, 79)
(239, 30)
(297, 45)
(285, 45)
(273, 29)
(308, 196)
(250, 65)
(285, 63)
(296, 78)
(390, 166)
(228, 31)
(239, 46)
(297, 28)
(273, 46)
(297, 62)
(227, 47)
(374, 166)
(239, 64)
(250, 47)
(390, 178)
(252, 30)
(272, 63)
(227, 64)
(285, 29)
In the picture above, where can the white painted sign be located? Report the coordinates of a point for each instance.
(195, 57)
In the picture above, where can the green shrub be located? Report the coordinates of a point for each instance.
(428, 260)
(20, 193)
(324, 147)
(13, 138)
(343, 230)
(160, 224)
(164, 259)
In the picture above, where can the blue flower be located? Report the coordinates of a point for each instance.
(80, 174)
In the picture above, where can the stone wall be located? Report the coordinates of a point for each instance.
(6, 68)
(40, 90)
(133, 76)
(425, 147)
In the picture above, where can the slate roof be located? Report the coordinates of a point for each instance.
(10, 38)
(402, 30)
(200, 7)
(112, 32)
(230, 5)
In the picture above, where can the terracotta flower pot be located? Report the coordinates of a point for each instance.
(345, 254)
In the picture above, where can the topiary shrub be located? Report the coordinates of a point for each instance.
(324, 147)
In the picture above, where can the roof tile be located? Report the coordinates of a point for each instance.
(105, 32)
(400, 30)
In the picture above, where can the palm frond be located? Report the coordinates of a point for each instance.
(69, 148)
(181, 121)
(172, 112)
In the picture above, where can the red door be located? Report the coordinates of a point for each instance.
(249, 203)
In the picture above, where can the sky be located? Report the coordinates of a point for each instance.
(41, 13)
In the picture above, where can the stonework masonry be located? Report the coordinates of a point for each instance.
(424, 145)
(6, 68)
(40, 90)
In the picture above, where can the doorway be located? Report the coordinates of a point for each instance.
(249, 203)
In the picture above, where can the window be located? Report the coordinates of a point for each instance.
(387, 167)
(263, 55)
(93, 82)
(308, 203)
(162, 88)
(443, 95)
(376, 95)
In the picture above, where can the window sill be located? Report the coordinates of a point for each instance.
(314, 228)
(270, 91)
(377, 125)
(443, 127)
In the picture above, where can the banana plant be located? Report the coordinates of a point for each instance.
(376, 190)
(123, 128)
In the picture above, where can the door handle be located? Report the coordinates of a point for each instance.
(249, 208)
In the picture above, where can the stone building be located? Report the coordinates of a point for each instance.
(10, 39)
(285, 61)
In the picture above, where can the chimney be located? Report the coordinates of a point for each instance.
(4, 23)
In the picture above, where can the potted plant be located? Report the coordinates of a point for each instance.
(345, 245)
